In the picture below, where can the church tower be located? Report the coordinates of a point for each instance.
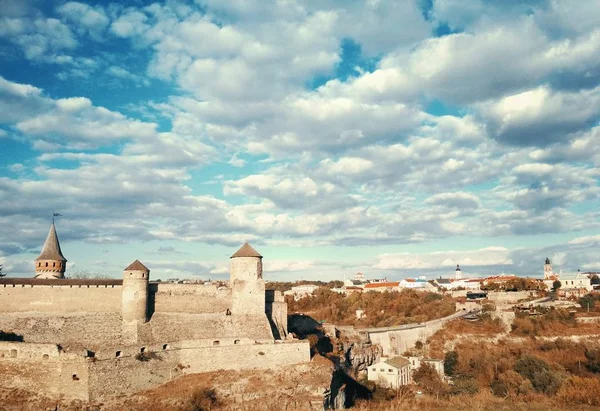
(51, 263)
(247, 284)
(458, 273)
(547, 269)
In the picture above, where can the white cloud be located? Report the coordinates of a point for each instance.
(39, 37)
(92, 20)
(490, 256)
(130, 23)
(541, 116)
(587, 240)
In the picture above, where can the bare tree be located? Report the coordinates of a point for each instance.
(1, 273)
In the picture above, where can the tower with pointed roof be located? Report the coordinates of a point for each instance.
(458, 273)
(51, 263)
(548, 274)
(134, 299)
(246, 282)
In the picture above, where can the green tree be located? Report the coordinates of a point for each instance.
(556, 285)
(587, 302)
(595, 280)
(450, 361)
(536, 370)
(593, 359)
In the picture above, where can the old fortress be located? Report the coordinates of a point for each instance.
(91, 339)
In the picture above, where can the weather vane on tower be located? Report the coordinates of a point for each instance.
(55, 215)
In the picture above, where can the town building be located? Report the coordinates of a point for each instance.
(419, 284)
(381, 287)
(576, 281)
(392, 373)
(437, 365)
(301, 291)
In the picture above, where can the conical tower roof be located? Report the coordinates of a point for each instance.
(51, 250)
(246, 251)
(136, 266)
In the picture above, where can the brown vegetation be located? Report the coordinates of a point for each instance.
(287, 285)
(515, 284)
(380, 309)
(551, 322)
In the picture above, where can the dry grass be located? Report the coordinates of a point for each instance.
(552, 323)
(380, 309)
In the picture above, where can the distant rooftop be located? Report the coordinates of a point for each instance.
(397, 362)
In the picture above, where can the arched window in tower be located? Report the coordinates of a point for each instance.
(46, 264)
(54, 264)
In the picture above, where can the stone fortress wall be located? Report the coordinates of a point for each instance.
(84, 338)
(104, 296)
(43, 368)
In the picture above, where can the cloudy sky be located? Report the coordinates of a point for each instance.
(395, 138)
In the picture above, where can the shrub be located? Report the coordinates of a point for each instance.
(450, 361)
(593, 359)
(203, 399)
(428, 378)
(147, 356)
(538, 372)
(464, 385)
(578, 390)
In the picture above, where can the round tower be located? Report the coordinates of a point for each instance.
(134, 297)
(247, 284)
(51, 263)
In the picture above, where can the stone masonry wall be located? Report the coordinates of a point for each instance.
(42, 368)
(87, 330)
(63, 299)
(189, 298)
(245, 356)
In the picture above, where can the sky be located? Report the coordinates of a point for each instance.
(395, 138)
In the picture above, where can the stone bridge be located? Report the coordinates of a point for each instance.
(397, 340)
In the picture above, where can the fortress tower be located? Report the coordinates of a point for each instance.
(134, 297)
(51, 263)
(246, 282)
(458, 273)
(547, 269)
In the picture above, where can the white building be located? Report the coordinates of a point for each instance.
(415, 363)
(382, 287)
(575, 281)
(420, 282)
(392, 373)
(358, 280)
(301, 291)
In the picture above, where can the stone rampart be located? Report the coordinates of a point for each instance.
(44, 368)
(81, 330)
(242, 356)
(509, 296)
(189, 298)
(397, 340)
(67, 298)
(176, 326)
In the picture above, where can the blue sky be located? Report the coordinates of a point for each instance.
(392, 138)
